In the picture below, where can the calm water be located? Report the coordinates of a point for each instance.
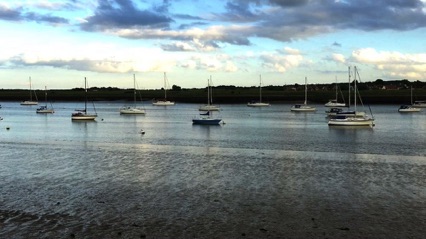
(266, 172)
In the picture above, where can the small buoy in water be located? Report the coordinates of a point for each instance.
(102, 119)
(7, 128)
(142, 132)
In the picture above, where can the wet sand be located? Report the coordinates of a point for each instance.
(216, 193)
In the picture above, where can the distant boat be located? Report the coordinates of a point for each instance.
(352, 118)
(44, 109)
(83, 114)
(133, 110)
(164, 102)
(305, 107)
(334, 102)
(206, 119)
(259, 103)
(209, 106)
(30, 101)
(409, 108)
(419, 104)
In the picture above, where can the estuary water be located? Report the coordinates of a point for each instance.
(264, 173)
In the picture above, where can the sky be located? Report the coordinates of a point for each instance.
(235, 42)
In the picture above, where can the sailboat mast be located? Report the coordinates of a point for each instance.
(355, 90)
(260, 88)
(208, 90)
(306, 90)
(134, 90)
(85, 95)
(31, 95)
(45, 94)
(336, 87)
(165, 90)
(349, 89)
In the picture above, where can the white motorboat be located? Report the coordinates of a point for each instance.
(408, 109)
(419, 104)
(258, 103)
(304, 107)
(133, 110)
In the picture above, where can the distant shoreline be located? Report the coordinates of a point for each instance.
(221, 95)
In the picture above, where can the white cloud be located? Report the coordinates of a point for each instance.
(282, 60)
(393, 64)
(338, 58)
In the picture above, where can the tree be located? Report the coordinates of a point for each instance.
(177, 88)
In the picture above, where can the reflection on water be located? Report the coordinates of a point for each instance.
(266, 173)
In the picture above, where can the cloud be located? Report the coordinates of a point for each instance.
(393, 64)
(211, 62)
(339, 58)
(282, 60)
(288, 20)
(122, 14)
(19, 14)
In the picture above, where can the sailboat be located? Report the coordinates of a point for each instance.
(334, 102)
(409, 108)
(352, 118)
(260, 103)
(209, 106)
(206, 119)
(305, 107)
(44, 109)
(30, 102)
(83, 114)
(133, 110)
(164, 102)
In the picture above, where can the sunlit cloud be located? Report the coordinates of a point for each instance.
(393, 64)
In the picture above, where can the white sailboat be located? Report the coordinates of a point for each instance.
(30, 101)
(352, 118)
(209, 106)
(164, 102)
(409, 108)
(43, 109)
(133, 110)
(305, 107)
(334, 102)
(83, 114)
(259, 103)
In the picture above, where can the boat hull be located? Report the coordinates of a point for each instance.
(352, 121)
(46, 111)
(27, 102)
(132, 111)
(258, 104)
(209, 108)
(163, 103)
(206, 121)
(83, 116)
(303, 108)
(412, 110)
(334, 103)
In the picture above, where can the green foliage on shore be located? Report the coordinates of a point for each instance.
(378, 92)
